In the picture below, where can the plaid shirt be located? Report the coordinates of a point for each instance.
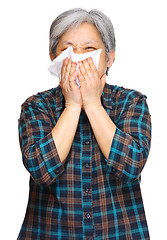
(86, 196)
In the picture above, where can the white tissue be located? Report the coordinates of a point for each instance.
(56, 64)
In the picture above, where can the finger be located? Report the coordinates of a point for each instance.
(63, 69)
(72, 70)
(93, 67)
(88, 70)
(82, 80)
(72, 82)
(81, 73)
(66, 73)
(72, 76)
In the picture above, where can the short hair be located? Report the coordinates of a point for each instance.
(77, 16)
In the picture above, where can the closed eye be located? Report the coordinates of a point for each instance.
(90, 48)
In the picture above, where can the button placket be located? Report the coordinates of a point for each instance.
(86, 179)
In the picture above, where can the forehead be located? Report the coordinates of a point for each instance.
(85, 32)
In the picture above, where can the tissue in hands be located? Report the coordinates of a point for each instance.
(57, 63)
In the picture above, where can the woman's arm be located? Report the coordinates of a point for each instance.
(126, 145)
(44, 148)
(64, 131)
(102, 126)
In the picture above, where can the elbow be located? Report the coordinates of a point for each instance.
(35, 165)
(127, 167)
(132, 172)
(128, 177)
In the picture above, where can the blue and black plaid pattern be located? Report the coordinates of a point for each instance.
(86, 196)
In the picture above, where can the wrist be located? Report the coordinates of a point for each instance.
(93, 107)
(74, 107)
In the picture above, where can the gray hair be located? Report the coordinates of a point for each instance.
(75, 17)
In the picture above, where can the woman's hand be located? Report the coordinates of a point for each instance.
(69, 87)
(91, 84)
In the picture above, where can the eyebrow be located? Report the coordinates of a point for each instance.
(85, 43)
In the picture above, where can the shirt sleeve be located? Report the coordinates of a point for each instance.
(131, 143)
(39, 153)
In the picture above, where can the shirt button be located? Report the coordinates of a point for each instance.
(57, 171)
(88, 215)
(87, 165)
(87, 142)
(114, 169)
(87, 189)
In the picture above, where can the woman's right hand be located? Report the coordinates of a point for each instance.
(68, 85)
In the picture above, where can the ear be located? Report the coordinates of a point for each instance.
(52, 57)
(110, 58)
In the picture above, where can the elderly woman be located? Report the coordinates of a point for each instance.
(84, 147)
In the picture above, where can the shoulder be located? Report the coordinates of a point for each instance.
(40, 96)
(43, 100)
(126, 101)
(121, 95)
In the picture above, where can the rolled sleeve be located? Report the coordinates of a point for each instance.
(39, 152)
(131, 143)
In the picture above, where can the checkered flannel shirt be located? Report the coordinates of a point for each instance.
(87, 196)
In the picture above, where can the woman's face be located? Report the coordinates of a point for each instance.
(85, 38)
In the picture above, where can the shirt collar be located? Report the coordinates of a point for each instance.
(106, 97)
(60, 101)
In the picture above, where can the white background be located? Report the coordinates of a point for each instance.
(141, 52)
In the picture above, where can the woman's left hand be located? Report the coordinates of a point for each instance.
(91, 84)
